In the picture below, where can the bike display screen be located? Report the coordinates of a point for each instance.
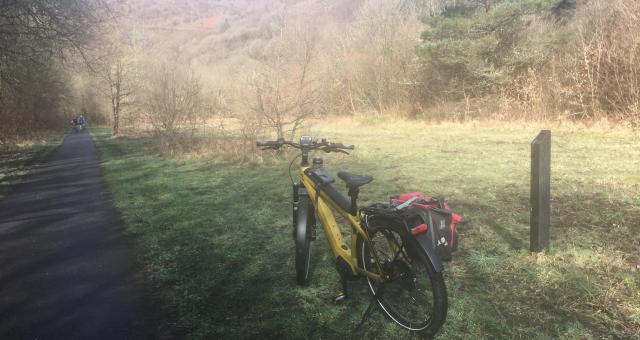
(306, 140)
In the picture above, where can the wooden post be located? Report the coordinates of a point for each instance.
(540, 191)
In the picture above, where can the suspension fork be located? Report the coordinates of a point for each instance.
(294, 207)
(299, 191)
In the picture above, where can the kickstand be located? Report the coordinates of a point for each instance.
(342, 295)
(367, 313)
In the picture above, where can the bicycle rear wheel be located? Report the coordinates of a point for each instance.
(414, 294)
(303, 238)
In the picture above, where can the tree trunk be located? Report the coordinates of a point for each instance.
(115, 100)
(116, 121)
(115, 105)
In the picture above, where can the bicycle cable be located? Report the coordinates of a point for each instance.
(290, 165)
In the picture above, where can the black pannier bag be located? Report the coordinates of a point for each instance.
(431, 215)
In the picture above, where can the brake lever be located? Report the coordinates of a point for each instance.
(270, 148)
(328, 149)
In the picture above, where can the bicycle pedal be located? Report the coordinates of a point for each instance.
(340, 298)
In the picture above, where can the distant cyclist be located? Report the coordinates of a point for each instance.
(78, 123)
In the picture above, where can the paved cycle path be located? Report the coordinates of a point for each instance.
(67, 268)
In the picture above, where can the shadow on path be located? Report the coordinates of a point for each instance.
(67, 268)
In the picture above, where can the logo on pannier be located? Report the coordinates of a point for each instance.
(442, 241)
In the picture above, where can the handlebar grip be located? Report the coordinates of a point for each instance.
(343, 146)
(266, 143)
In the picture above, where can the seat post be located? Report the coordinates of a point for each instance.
(353, 193)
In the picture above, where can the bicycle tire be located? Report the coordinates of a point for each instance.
(303, 240)
(406, 274)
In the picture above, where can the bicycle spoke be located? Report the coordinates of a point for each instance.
(405, 299)
(400, 248)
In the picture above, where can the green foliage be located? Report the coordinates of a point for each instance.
(474, 47)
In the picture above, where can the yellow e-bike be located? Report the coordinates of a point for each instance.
(403, 272)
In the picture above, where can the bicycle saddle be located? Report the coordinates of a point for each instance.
(354, 181)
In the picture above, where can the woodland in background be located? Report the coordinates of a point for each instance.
(40, 42)
(188, 68)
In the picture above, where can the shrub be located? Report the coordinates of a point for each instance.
(474, 49)
(172, 102)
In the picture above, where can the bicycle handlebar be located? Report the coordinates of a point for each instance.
(317, 144)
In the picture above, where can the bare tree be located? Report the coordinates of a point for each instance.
(171, 99)
(600, 73)
(117, 93)
(285, 87)
(373, 59)
(118, 72)
(429, 7)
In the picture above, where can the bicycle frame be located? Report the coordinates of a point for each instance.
(331, 228)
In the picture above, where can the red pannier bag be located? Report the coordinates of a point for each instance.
(431, 215)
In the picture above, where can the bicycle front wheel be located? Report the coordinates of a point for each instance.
(303, 237)
(413, 294)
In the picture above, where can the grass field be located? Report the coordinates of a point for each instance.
(217, 236)
(16, 162)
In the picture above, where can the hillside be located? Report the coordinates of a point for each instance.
(349, 56)
(226, 24)
(219, 38)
